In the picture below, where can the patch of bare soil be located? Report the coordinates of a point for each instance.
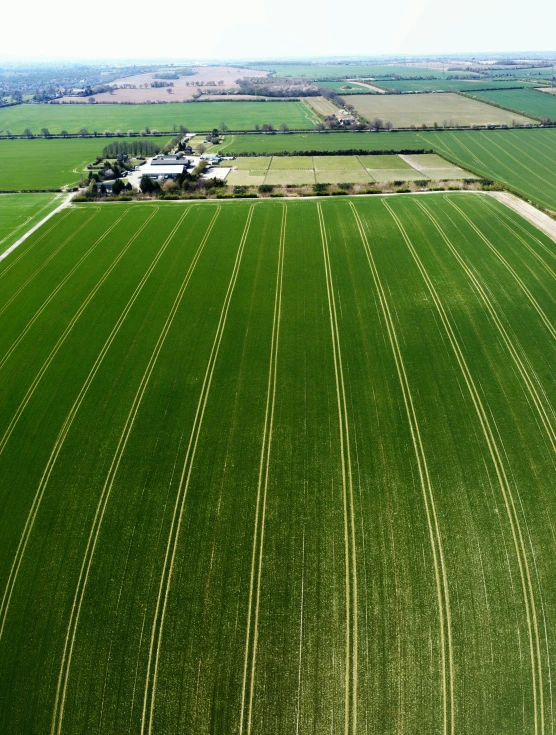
(137, 88)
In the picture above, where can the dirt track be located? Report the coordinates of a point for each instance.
(541, 220)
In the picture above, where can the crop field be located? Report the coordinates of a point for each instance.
(528, 101)
(197, 116)
(283, 170)
(523, 160)
(445, 85)
(321, 106)
(426, 109)
(293, 142)
(279, 468)
(48, 164)
(20, 212)
(547, 72)
(342, 71)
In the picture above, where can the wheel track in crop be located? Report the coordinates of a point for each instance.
(44, 264)
(506, 339)
(71, 632)
(543, 179)
(14, 261)
(30, 218)
(155, 644)
(24, 539)
(58, 288)
(350, 724)
(504, 219)
(440, 574)
(504, 484)
(535, 161)
(245, 723)
(59, 343)
(508, 267)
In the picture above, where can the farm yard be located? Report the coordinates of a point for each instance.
(200, 116)
(403, 111)
(49, 164)
(290, 469)
(341, 169)
(527, 101)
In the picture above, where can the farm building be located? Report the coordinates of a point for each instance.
(159, 171)
(172, 159)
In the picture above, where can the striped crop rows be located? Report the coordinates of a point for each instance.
(279, 468)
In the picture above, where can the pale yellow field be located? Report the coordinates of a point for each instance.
(321, 106)
(184, 88)
(404, 110)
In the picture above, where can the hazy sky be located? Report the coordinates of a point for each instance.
(260, 28)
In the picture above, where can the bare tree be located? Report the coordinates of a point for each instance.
(200, 149)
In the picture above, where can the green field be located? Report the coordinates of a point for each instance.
(301, 170)
(528, 101)
(403, 111)
(48, 164)
(342, 71)
(20, 212)
(272, 468)
(295, 142)
(439, 85)
(548, 72)
(523, 160)
(197, 116)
